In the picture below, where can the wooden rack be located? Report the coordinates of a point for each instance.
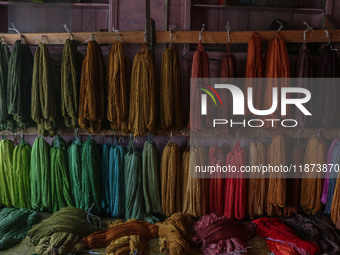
(208, 37)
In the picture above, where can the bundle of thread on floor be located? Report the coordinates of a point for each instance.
(14, 224)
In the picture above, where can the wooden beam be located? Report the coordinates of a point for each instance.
(237, 37)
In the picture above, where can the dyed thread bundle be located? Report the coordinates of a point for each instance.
(118, 88)
(45, 104)
(303, 70)
(14, 224)
(277, 66)
(62, 232)
(174, 236)
(311, 187)
(294, 184)
(70, 81)
(126, 244)
(142, 115)
(7, 175)
(281, 239)
(151, 180)
(329, 161)
(60, 183)
(329, 67)
(200, 69)
(318, 229)
(74, 155)
(103, 238)
(170, 90)
(216, 185)
(257, 188)
(91, 175)
(21, 170)
(235, 193)
(134, 206)
(195, 197)
(254, 69)
(40, 175)
(92, 89)
(171, 182)
(4, 59)
(335, 211)
(220, 235)
(332, 177)
(20, 69)
(277, 189)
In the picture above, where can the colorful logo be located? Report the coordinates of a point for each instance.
(210, 94)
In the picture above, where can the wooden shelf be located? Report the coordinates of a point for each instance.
(260, 8)
(208, 37)
(241, 133)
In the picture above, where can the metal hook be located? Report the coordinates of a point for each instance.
(67, 30)
(329, 36)
(308, 28)
(116, 31)
(171, 28)
(280, 28)
(228, 27)
(2, 39)
(92, 37)
(200, 33)
(43, 39)
(145, 35)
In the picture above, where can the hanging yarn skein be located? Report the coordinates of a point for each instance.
(134, 201)
(235, 193)
(195, 197)
(311, 184)
(92, 89)
(303, 70)
(334, 210)
(142, 115)
(105, 178)
(294, 184)
(21, 169)
(20, 71)
(228, 70)
(277, 66)
(257, 188)
(7, 174)
(200, 69)
(254, 69)
(4, 59)
(151, 180)
(277, 189)
(170, 90)
(60, 184)
(118, 88)
(329, 161)
(332, 177)
(45, 99)
(40, 178)
(326, 95)
(91, 176)
(71, 64)
(216, 184)
(74, 155)
(171, 191)
(116, 177)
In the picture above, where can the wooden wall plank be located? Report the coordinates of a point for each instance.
(239, 37)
